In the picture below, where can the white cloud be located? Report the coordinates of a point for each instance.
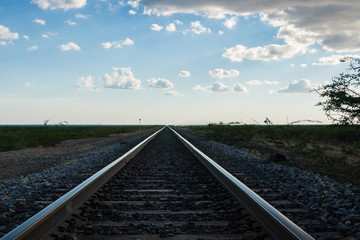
(298, 86)
(33, 48)
(237, 87)
(300, 23)
(132, 12)
(86, 84)
(118, 44)
(6, 36)
(184, 73)
(106, 45)
(133, 3)
(69, 22)
(39, 21)
(26, 37)
(303, 65)
(221, 73)
(121, 78)
(333, 60)
(292, 65)
(159, 83)
(271, 82)
(63, 4)
(48, 34)
(266, 53)
(128, 42)
(221, 32)
(220, 87)
(178, 22)
(69, 46)
(230, 23)
(147, 11)
(174, 93)
(266, 82)
(78, 15)
(197, 28)
(171, 27)
(254, 82)
(155, 27)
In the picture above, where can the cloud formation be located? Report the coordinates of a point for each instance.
(62, 4)
(230, 23)
(197, 28)
(81, 16)
(32, 48)
(171, 27)
(333, 60)
(220, 87)
(121, 78)
(266, 53)
(155, 27)
(39, 21)
(221, 73)
(69, 46)
(70, 23)
(300, 23)
(86, 84)
(118, 44)
(298, 86)
(6, 36)
(133, 3)
(159, 83)
(184, 73)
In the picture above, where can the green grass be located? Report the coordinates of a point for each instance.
(233, 133)
(20, 137)
(326, 149)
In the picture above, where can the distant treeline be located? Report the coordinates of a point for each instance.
(20, 137)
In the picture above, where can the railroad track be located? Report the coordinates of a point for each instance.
(168, 189)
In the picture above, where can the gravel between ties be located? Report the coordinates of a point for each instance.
(22, 197)
(163, 192)
(335, 206)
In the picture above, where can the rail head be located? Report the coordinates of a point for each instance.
(278, 225)
(47, 219)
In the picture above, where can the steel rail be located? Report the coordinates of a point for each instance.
(279, 226)
(41, 224)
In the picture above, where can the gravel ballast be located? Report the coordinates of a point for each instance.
(336, 206)
(24, 196)
(333, 206)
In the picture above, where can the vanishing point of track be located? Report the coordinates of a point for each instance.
(162, 188)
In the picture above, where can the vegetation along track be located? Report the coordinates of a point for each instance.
(164, 191)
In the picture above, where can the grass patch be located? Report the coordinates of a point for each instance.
(20, 137)
(327, 149)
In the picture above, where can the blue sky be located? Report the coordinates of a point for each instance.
(170, 62)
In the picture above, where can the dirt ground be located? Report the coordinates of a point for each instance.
(31, 160)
